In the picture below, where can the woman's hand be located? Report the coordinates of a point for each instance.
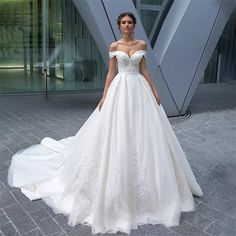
(101, 103)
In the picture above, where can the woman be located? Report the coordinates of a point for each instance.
(124, 167)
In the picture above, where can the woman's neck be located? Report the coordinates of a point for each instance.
(128, 38)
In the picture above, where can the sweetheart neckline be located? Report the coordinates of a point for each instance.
(127, 53)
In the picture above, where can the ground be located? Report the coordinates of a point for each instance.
(207, 137)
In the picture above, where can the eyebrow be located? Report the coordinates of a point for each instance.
(126, 20)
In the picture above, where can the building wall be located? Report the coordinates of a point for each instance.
(79, 32)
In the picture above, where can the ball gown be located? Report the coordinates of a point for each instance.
(123, 168)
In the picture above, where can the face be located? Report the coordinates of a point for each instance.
(126, 25)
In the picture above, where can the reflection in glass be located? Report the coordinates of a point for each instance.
(19, 46)
(152, 2)
(73, 60)
(222, 65)
(148, 18)
(149, 12)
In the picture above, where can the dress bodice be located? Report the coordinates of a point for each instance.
(126, 63)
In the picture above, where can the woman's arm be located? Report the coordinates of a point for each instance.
(144, 72)
(109, 77)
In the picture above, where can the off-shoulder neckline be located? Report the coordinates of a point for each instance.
(141, 50)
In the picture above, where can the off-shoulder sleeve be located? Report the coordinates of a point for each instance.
(112, 54)
(144, 53)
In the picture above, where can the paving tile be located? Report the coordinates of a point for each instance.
(60, 234)
(25, 145)
(6, 198)
(35, 232)
(5, 155)
(3, 137)
(49, 227)
(1, 146)
(78, 230)
(3, 176)
(73, 231)
(32, 139)
(3, 219)
(36, 132)
(16, 138)
(25, 203)
(186, 229)
(197, 220)
(20, 219)
(24, 224)
(61, 220)
(153, 230)
(218, 229)
(12, 147)
(48, 210)
(216, 215)
(45, 222)
(5, 129)
(224, 205)
(3, 166)
(39, 214)
(9, 230)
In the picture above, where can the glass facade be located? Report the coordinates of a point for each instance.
(148, 11)
(19, 46)
(222, 65)
(73, 61)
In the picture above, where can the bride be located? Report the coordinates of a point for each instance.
(124, 167)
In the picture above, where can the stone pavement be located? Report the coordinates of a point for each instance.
(208, 137)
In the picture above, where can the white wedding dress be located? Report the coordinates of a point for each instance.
(123, 168)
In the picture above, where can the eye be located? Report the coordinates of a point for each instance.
(129, 22)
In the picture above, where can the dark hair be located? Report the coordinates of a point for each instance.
(123, 14)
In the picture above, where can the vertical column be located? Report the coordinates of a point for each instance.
(44, 34)
(44, 67)
(40, 35)
(31, 35)
(51, 40)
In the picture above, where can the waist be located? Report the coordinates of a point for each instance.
(129, 72)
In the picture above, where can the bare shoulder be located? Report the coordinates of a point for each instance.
(142, 44)
(113, 46)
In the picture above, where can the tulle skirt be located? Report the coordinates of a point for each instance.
(124, 167)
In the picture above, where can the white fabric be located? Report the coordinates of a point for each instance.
(122, 169)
